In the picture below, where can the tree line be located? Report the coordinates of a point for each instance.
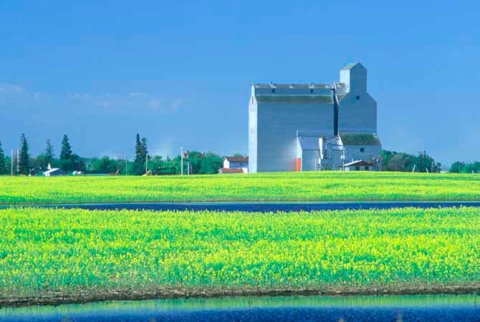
(404, 162)
(23, 164)
(194, 162)
(465, 167)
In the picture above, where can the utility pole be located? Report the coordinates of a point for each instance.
(146, 164)
(126, 166)
(181, 158)
(12, 160)
(18, 161)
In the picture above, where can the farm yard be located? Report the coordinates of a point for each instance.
(59, 255)
(71, 254)
(313, 186)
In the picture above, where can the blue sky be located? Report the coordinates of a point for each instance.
(180, 72)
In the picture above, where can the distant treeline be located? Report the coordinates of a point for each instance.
(463, 167)
(404, 162)
(194, 162)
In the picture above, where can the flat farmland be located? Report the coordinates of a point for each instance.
(317, 186)
(51, 255)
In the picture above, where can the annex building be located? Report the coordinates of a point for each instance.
(290, 125)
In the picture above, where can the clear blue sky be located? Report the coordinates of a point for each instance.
(179, 72)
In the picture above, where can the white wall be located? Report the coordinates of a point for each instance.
(252, 132)
(353, 152)
(226, 164)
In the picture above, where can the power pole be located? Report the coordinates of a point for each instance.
(146, 164)
(18, 161)
(181, 163)
(12, 160)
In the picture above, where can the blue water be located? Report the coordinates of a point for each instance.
(314, 308)
(263, 206)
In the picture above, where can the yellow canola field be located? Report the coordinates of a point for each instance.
(313, 186)
(52, 251)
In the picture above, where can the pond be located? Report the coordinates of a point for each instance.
(262, 206)
(296, 308)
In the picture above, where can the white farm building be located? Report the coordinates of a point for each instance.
(291, 126)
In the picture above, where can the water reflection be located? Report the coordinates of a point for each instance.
(311, 308)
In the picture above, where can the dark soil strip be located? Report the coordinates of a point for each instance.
(127, 295)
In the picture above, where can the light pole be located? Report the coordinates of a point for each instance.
(11, 163)
(181, 158)
(146, 164)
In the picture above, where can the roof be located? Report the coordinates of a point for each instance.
(292, 86)
(358, 163)
(360, 139)
(226, 170)
(298, 93)
(350, 66)
(297, 98)
(50, 171)
(237, 159)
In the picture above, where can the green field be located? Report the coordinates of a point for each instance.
(57, 253)
(314, 186)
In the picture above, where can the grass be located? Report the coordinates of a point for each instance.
(78, 254)
(316, 186)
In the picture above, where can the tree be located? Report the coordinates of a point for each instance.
(462, 167)
(141, 153)
(137, 163)
(68, 160)
(3, 164)
(66, 152)
(144, 150)
(24, 159)
(49, 152)
(397, 161)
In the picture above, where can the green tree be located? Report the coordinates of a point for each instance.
(49, 156)
(462, 167)
(24, 159)
(66, 152)
(68, 160)
(106, 165)
(3, 164)
(141, 153)
(137, 162)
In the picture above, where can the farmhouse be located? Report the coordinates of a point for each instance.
(235, 164)
(305, 127)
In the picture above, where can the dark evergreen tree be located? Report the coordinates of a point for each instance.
(141, 152)
(24, 159)
(66, 152)
(137, 163)
(144, 150)
(49, 152)
(3, 164)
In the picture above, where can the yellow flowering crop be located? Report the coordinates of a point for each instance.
(313, 186)
(57, 251)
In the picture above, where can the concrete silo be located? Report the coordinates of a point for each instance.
(290, 124)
